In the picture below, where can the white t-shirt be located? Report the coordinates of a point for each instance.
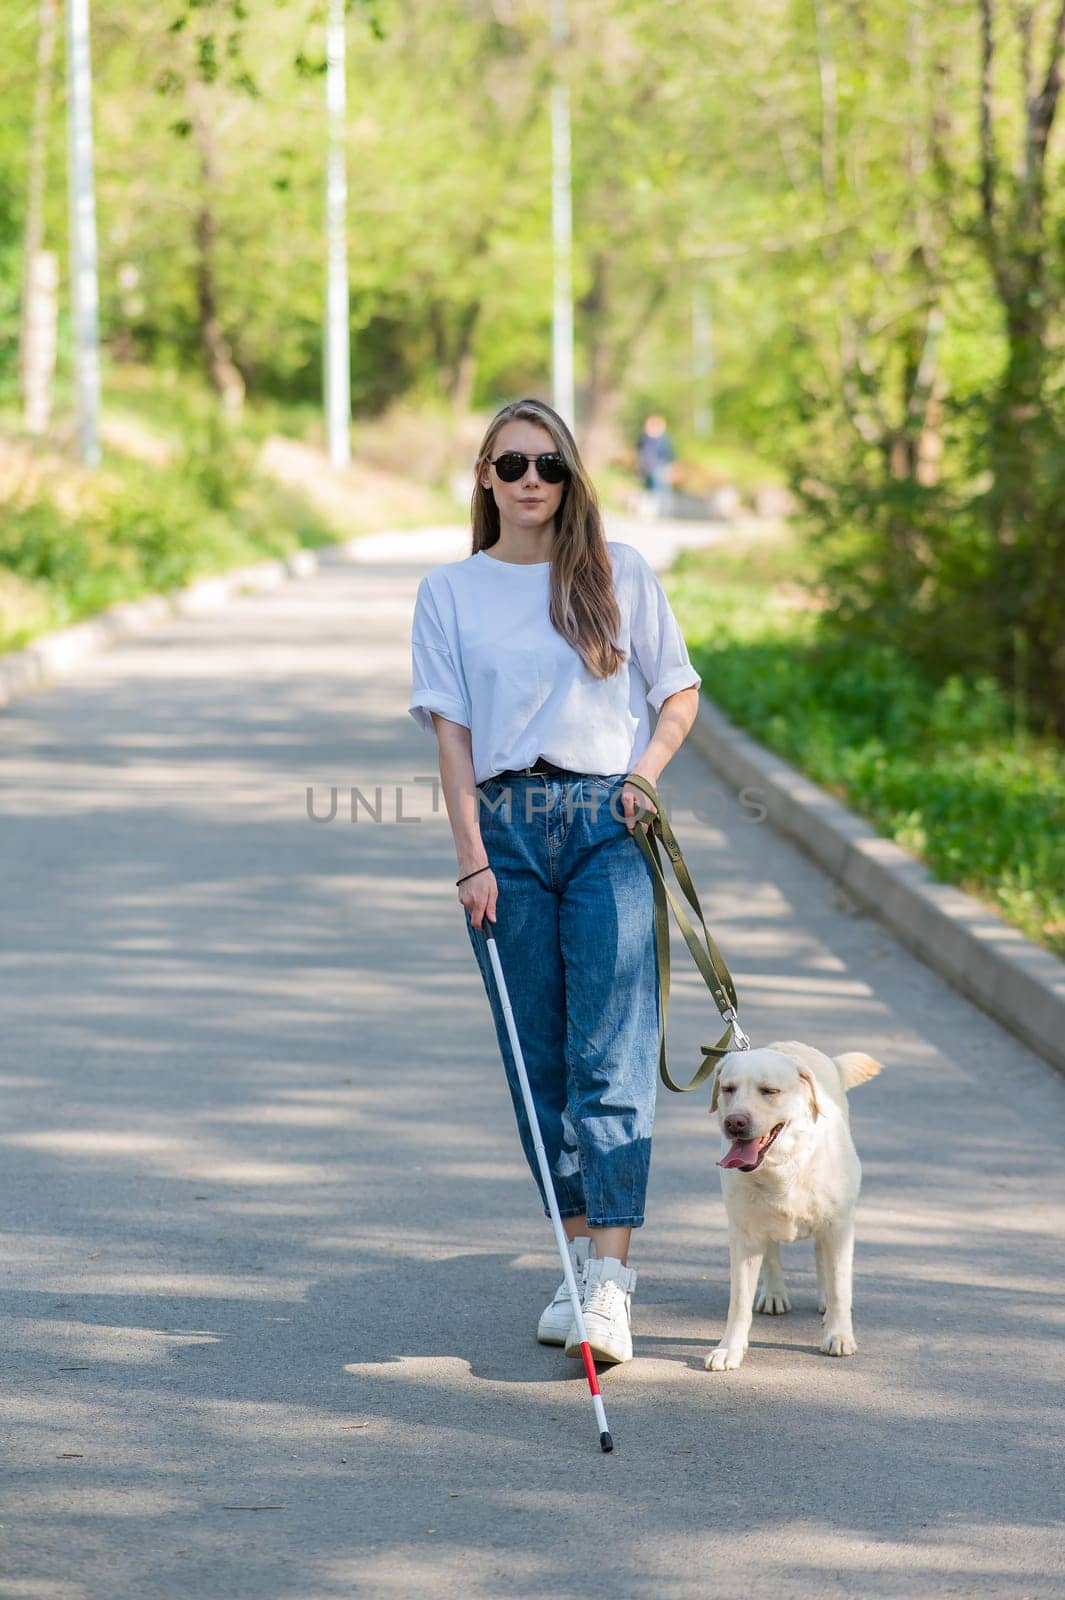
(484, 653)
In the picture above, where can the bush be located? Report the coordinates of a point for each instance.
(946, 768)
(72, 544)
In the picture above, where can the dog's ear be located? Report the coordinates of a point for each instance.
(811, 1084)
(715, 1080)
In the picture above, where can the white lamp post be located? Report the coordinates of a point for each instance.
(337, 347)
(561, 222)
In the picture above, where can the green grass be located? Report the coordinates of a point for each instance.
(138, 530)
(941, 768)
(73, 542)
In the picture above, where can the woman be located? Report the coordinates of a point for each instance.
(533, 662)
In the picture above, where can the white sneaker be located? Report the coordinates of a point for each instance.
(557, 1318)
(605, 1301)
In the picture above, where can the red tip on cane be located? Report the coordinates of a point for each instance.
(589, 1367)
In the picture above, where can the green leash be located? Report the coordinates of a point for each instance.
(710, 961)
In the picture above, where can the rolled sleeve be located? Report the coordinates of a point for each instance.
(437, 682)
(657, 642)
(672, 683)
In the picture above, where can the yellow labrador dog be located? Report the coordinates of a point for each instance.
(789, 1171)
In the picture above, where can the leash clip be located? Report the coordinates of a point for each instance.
(742, 1041)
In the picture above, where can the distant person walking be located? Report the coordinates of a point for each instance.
(535, 662)
(655, 456)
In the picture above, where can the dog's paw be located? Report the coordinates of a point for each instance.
(772, 1302)
(723, 1359)
(838, 1343)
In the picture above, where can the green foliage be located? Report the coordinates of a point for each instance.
(10, 290)
(141, 526)
(808, 176)
(152, 532)
(182, 494)
(943, 766)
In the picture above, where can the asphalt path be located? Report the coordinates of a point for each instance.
(271, 1262)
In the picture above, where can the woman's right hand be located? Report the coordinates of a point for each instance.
(478, 895)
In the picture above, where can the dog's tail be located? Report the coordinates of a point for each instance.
(857, 1067)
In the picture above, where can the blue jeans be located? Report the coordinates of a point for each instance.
(575, 934)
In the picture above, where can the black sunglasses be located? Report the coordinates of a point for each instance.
(511, 466)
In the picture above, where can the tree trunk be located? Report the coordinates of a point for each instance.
(602, 402)
(1018, 405)
(464, 362)
(40, 269)
(222, 372)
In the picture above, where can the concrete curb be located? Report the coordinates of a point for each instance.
(1019, 984)
(55, 656)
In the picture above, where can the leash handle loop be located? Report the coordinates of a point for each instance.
(708, 958)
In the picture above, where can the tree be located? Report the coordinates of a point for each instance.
(1022, 242)
(40, 267)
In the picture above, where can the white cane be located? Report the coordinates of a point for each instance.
(605, 1441)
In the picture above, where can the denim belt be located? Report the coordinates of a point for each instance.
(540, 767)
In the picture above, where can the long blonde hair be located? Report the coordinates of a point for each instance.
(583, 606)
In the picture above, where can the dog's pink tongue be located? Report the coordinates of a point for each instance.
(744, 1154)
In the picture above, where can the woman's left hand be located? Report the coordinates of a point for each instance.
(631, 797)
